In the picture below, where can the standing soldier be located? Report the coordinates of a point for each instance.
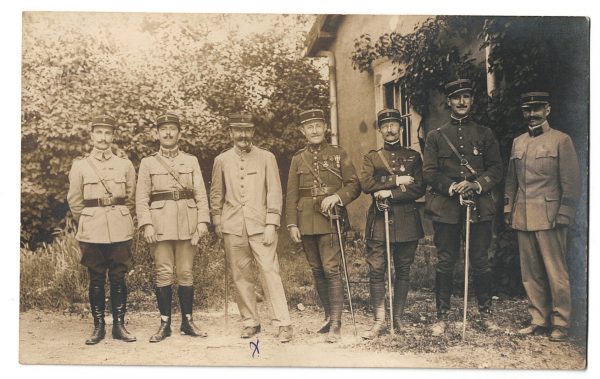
(542, 189)
(321, 177)
(461, 161)
(101, 198)
(172, 210)
(393, 174)
(246, 201)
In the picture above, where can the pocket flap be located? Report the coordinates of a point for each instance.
(124, 211)
(120, 179)
(552, 197)
(90, 179)
(546, 153)
(157, 204)
(191, 203)
(88, 211)
(184, 170)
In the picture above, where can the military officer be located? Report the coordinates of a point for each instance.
(101, 198)
(393, 174)
(461, 161)
(541, 193)
(172, 210)
(246, 201)
(321, 177)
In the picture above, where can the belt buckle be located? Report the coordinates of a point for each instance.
(313, 191)
(175, 195)
(106, 201)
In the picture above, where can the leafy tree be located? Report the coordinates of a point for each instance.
(136, 66)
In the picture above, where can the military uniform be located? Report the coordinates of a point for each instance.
(380, 169)
(172, 198)
(101, 198)
(542, 189)
(245, 197)
(316, 172)
(478, 148)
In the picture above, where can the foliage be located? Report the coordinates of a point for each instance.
(526, 53)
(135, 66)
(425, 59)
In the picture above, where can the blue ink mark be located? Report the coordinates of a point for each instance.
(254, 347)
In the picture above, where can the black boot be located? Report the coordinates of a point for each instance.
(118, 299)
(483, 290)
(186, 303)
(400, 293)
(96, 294)
(378, 302)
(323, 292)
(443, 293)
(336, 305)
(164, 296)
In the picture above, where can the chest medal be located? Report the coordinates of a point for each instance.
(475, 150)
(402, 168)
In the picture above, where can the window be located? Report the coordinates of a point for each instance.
(395, 97)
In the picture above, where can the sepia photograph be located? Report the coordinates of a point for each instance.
(304, 190)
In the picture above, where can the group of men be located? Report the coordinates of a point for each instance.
(461, 165)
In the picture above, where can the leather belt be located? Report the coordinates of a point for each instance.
(316, 191)
(172, 195)
(104, 202)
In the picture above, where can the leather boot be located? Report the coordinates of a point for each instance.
(186, 303)
(96, 294)
(164, 296)
(378, 302)
(443, 293)
(118, 298)
(483, 285)
(323, 292)
(336, 304)
(400, 293)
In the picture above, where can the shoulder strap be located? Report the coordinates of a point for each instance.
(95, 169)
(169, 170)
(385, 162)
(463, 161)
(311, 170)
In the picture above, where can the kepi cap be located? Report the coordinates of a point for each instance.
(457, 86)
(104, 120)
(311, 115)
(386, 115)
(241, 120)
(167, 118)
(529, 98)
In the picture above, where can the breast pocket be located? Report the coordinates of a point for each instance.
(119, 186)
(186, 176)
(444, 158)
(92, 188)
(546, 161)
(305, 179)
(192, 213)
(160, 180)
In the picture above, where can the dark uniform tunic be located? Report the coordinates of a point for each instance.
(478, 145)
(315, 173)
(405, 223)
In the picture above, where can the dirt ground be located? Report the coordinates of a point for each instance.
(56, 338)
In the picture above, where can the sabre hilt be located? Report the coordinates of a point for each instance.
(382, 204)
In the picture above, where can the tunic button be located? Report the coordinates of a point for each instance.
(461, 146)
(241, 177)
(393, 154)
(315, 181)
(460, 137)
(241, 185)
(459, 128)
(241, 168)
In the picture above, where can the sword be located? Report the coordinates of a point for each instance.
(469, 204)
(336, 216)
(226, 283)
(384, 205)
